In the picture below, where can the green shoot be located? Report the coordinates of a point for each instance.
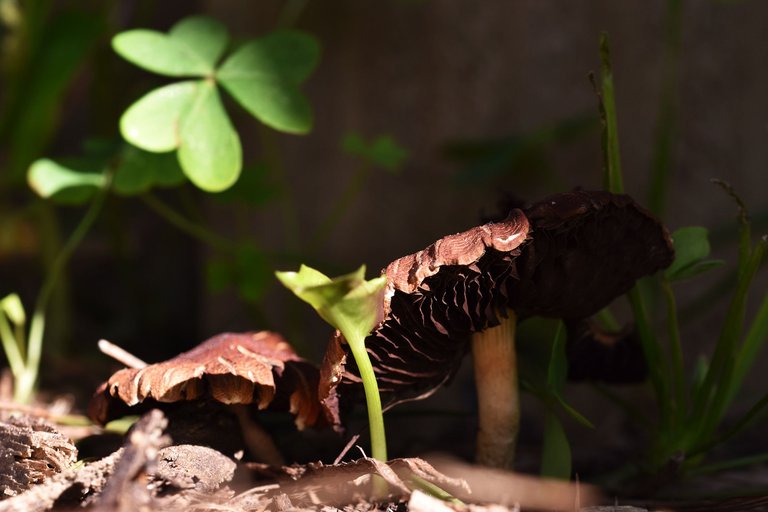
(353, 306)
(24, 353)
(556, 450)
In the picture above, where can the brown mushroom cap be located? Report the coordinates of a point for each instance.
(231, 368)
(582, 249)
(435, 300)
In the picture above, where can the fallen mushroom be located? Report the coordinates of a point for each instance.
(566, 256)
(257, 368)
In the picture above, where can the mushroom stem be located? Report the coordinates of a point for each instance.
(495, 363)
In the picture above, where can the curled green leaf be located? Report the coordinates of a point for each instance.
(12, 307)
(691, 250)
(349, 302)
(50, 179)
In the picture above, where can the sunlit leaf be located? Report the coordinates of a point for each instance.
(159, 53)
(210, 153)
(50, 179)
(349, 302)
(152, 123)
(264, 77)
(204, 36)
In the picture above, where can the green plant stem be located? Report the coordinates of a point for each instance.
(756, 337)
(656, 364)
(187, 226)
(340, 207)
(677, 377)
(608, 320)
(730, 464)
(613, 177)
(11, 348)
(666, 125)
(709, 405)
(26, 384)
(754, 412)
(372, 398)
(435, 490)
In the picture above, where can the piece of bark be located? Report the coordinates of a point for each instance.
(193, 467)
(127, 489)
(88, 479)
(31, 450)
(343, 485)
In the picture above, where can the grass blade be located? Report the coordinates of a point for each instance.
(613, 180)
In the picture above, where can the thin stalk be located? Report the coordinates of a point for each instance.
(730, 464)
(656, 363)
(26, 384)
(613, 176)
(742, 424)
(373, 404)
(11, 348)
(372, 398)
(434, 490)
(745, 225)
(677, 377)
(607, 320)
(726, 343)
(187, 226)
(756, 337)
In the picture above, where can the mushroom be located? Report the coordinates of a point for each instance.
(566, 256)
(257, 368)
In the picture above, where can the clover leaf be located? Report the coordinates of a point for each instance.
(76, 180)
(264, 76)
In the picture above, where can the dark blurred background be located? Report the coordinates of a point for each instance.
(487, 98)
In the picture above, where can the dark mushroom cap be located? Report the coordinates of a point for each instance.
(258, 368)
(586, 249)
(566, 256)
